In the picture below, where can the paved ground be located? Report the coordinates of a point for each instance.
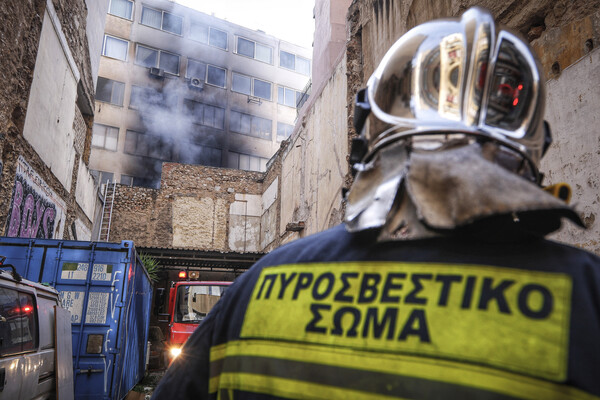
(144, 390)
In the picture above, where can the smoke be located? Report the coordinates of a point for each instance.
(174, 118)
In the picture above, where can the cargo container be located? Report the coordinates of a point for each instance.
(109, 293)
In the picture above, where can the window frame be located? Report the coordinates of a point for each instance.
(208, 35)
(220, 68)
(103, 147)
(261, 161)
(119, 16)
(252, 122)
(295, 69)
(157, 65)
(255, 43)
(112, 81)
(162, 20)
(99, 176)
(187, 75)
(196, 149)
(281, 138)
(296, 94)
(252, 86)
(106, 36)
(148, 153)
(124, 177)
(194, 104)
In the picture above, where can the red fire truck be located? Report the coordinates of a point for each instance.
(189, 303)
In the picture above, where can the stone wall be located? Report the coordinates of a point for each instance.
(195, 207)
(46, 106)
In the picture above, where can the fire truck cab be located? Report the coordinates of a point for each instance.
(189, 303)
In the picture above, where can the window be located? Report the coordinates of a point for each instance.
(294, 62)
(126, 180)
(161, 20)
(142, 144)
(241, 84)
(207, 73)
(208, 35)
(152, 58)
(250, 125)
(18, 329)
(254, 50)
(102, 176)
(251, 86)
(216, 76)
(152, 183)
(217, 38)
(110, 91)
(115, 48)
(196, 69)
(206, 114)
(288, 97)
(105, 137)
(246, 162)
(145, 98)
(202, 155)
(284, 131)
(262, 89)
(121, 8)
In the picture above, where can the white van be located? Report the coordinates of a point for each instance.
(35, 341)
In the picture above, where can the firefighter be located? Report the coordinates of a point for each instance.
(439, 283)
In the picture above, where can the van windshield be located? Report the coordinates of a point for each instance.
(193, 302)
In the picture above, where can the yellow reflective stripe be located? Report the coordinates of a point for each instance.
(217, 353)
(456, 312)
(435, 370)
(290, 388)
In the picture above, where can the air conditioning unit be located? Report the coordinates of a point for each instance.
(157, 72)
(196, 83)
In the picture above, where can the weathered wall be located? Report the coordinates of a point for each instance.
(46, 107)
(561, 32)
(574, 157)
(301, 192)
(314, 164)
(196, 207)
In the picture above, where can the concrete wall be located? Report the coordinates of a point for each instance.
(330, 37)
(48, 125)
(573, 111)
(96, 18)
(314, 163)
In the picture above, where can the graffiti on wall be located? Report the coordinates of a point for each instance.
(36, 211)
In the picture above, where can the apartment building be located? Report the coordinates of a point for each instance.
(178, 85)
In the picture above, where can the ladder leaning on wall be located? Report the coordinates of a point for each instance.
(107, 208)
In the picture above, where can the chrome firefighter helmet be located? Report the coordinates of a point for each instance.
(456, 76)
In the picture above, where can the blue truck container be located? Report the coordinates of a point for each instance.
(109, 293)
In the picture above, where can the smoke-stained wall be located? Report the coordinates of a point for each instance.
(199, 207)
(311, 167)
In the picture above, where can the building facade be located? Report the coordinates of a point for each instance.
(46, 117)
(301, 192)
(178, 85)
